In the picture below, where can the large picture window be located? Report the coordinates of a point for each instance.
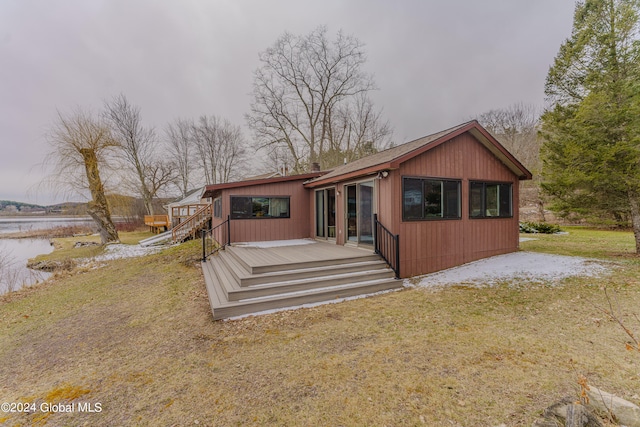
(425, 198)
(490, 200)
(259, 207)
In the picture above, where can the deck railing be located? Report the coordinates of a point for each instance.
(216, 239)
(387, 245)
(155, 222)
(180, 213)
(190, 226)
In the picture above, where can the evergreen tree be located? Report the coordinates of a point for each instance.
(591, 149)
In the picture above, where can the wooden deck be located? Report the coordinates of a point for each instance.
(244, 279)
(157, 223)
(262, 260)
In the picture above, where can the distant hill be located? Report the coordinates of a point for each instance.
(121, 206)
(10, 207)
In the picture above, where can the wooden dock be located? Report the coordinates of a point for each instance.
(244, 279)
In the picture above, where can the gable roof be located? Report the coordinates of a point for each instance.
(393, 157)
(192, 196)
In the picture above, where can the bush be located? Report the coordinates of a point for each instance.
(539, 227)
(129, 226)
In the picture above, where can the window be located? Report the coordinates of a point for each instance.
(490, 200)
(217, 207)
(259, 207)
(430, 199)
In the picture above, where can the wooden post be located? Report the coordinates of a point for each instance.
(397, 256)
(375, 233)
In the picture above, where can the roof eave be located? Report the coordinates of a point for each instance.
(501, 153)
(211, 189)
(349, 175)
(485, 139)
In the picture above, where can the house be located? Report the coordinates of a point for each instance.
(186, 218)
(181, 209)
(433, 203)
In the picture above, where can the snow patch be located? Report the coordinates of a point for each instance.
(523, 266)
(120, 251)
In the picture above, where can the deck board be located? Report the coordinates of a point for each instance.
(283, 255)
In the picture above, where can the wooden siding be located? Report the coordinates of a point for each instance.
(425, 246)
(428, 246)
(252, 230)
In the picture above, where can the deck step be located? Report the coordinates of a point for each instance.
(216, 297)
(287, 266)
(245, 278)
(309, 283)
(235, 290)
(292, 299)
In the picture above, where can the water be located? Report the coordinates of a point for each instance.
(15, 224)
(14, 254)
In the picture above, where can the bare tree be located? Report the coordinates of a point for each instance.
(355, 131)
(139, 149)
(275, 158)
(80, 145)
(302, 86)
(220, 148)
(182, 147)
(516, 127)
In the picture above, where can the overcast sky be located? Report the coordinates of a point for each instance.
(436, 62)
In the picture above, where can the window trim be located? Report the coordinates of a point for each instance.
(242, 196)
(483, 210)
(442, 181)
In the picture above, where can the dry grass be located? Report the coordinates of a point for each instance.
(137, 337)
(66, 254)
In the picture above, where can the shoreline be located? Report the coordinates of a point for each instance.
(50, 233)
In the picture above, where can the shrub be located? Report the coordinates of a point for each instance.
(129, 226)
(539, 227)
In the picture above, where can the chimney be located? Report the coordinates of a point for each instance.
(315, 167)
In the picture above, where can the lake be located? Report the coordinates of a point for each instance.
(12, 224)
(14, 254)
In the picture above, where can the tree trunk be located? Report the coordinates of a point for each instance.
(98, 207)
(100, 215)
(540, 205)
(635, 217)
(148, 202)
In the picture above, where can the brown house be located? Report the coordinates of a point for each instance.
(451, 197)
(439, 201)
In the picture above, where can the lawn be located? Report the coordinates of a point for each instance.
(137, 337)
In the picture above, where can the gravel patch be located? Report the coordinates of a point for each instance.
(521, 266)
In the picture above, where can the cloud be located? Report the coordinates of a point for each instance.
(436, 63)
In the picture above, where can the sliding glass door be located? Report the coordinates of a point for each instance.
(326, 213)
(359, 212)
